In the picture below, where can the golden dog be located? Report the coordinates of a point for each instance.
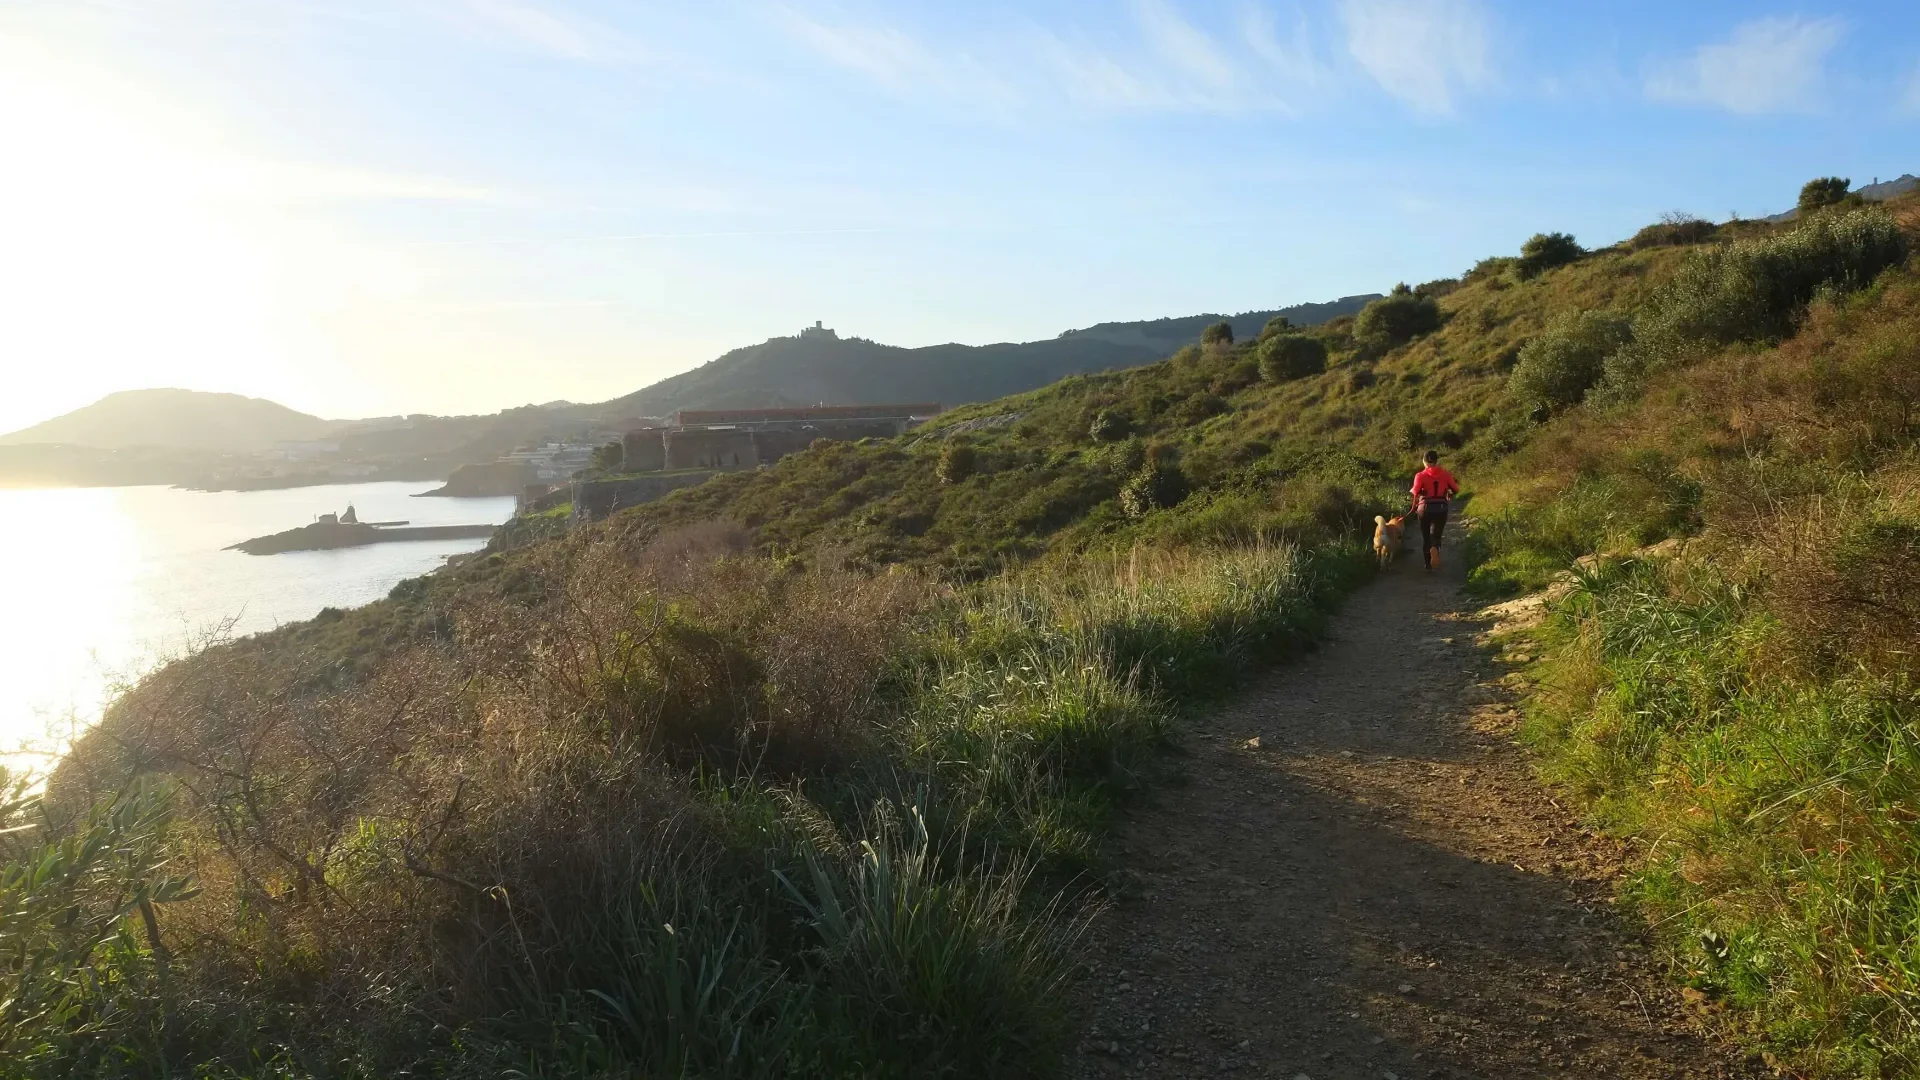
(1386, 537)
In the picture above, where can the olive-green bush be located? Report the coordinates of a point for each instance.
(1557, 368)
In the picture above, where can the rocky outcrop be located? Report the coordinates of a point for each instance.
(484, 480)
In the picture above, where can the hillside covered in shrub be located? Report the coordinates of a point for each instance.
(801, 772)
(1729, 680)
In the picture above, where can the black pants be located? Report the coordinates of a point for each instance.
(1432, 522)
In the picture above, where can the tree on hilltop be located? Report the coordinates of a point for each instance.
(1544, 251)
(1219, 335)
(1824, 192)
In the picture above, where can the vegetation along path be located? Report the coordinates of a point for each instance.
(1359, 876)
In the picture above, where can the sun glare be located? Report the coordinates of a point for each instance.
(146, 247)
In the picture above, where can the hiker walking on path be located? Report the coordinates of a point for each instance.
(1433, 487)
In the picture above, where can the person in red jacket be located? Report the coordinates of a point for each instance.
(1433, 490)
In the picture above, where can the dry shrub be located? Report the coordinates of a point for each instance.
(1845, 584)
(445, 821)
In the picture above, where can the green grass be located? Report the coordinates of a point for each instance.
(1743, 711)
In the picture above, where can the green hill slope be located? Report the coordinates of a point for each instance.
(1729, 682)
(176, 419)
(812, 369)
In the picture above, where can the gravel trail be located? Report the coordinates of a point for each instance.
(1377, 887)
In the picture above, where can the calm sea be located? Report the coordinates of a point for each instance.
(101, 583)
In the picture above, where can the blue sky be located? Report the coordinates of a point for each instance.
(373, 206)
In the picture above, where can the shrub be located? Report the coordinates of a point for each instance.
(1674, 228)
(1492, 267)
(1823, 192)
(1217, 336)
(1396, 319)
(1110, 425)
(1279, 324)
(1755, 290)
(957, 462)
(1436, 288)
(1557, 368)
(1158, 485)
(1413, 435)
(1291, 356)
(1199, 407)
(1544, 251)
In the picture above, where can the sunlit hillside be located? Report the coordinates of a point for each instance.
(804, 771)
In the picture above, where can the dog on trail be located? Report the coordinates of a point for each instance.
(1386, 537)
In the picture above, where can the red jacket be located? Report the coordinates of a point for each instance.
(1433, 484)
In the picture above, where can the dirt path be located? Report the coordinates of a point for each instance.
(1377, 888)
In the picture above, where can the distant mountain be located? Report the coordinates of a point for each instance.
(818, 366)
(175, 420)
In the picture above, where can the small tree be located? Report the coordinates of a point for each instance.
(1279, 324)
(957, 462)
(1413, 435)
(1217, 336)
(607, 458)
(1823, 192)
(1158, 485)
(1544, 251)
(1292, 356)
(1557, 368)
(1396, 319)
(1110, 426)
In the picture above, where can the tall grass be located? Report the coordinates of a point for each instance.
(1776, 813)
(1744, 710)
(653, 807)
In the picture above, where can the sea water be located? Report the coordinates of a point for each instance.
(97, 585)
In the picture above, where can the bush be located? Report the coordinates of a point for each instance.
(1217, 336)
(1110, 425)
(1279, 324)
(1823, 192)
(1557, 368)
(1396, 319)
(1291, 356)
(1544, 251)
(1413, 435)
(1492, 267)
(957, 462)
(1755, 290)
(1158, 485)
(1672, 230)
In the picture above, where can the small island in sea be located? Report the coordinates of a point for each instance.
(347, 530)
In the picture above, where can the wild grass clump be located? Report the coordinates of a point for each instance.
(652, 806)
(1778, 853)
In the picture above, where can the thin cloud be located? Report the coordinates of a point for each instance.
(1770, 65)
(1167, 64)
(1295, 61)
(893, 58)
(532, 26)
(1427, 53)
(1184, 47)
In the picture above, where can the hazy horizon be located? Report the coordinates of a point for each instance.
(359, 208)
